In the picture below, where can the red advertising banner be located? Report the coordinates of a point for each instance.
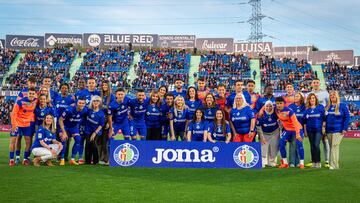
(352, 134)
(5, 128)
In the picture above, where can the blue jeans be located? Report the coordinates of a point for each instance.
(293, 153)
(314, 138)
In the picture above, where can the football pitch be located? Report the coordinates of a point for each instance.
(106, 184)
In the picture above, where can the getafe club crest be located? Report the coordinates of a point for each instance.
(126, 154)
(246, 156)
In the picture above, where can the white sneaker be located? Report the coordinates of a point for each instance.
(292, 166)
(331, 168)
(102, 162)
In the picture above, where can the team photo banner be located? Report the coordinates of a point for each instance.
(162, 154)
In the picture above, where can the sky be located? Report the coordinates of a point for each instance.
(327, 24)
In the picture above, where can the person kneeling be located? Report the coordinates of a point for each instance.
(46, 147)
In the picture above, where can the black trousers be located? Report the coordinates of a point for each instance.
(153, 134)
(103, 146)
(91, 150)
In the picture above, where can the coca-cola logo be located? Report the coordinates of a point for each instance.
(213, 46)
(29, 42)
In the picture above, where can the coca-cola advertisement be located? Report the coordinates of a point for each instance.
(24, 41)
(254, 48)
(342, 57)
(2, 44)
(176, 41)
(299, 52)
(215, 44)
(356, 60)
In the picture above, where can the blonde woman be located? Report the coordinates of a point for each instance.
(337, 118)
(93, 127)
(242, 120)
(178, 119)
(269, 132)
(314, 121)
(46, 147)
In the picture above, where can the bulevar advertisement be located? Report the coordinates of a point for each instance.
(215, 44)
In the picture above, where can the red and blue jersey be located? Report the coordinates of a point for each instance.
(241, 119)
(314, 118)
(336, 123)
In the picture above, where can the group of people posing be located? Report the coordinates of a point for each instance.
(194, 114)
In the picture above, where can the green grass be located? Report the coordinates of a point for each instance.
(105, 184)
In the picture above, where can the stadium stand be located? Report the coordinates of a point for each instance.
(342, 78)
(219, 68)
(6, 106)
(280, 72)
(111, 64)
(39, 63)
(7, 56)
(161, 67)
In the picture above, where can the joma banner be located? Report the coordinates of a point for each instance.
(94, 40)
(299, 52)
(24, 41)
(185, 154)
(176, 41)
(2, 44)
(56, 38)
(215, 44)
(343, 57)
(254, 48)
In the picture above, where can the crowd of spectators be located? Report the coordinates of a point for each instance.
(354, 115)
(39, 63)
(342, 78)
(7, 56)
(281, 72)
(161, 67)
(223, 68)
(110, 64)
(6, 107)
